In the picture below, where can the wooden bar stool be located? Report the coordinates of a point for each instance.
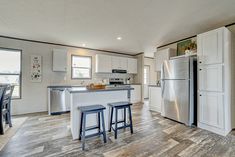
(93, 109)
(120, 106)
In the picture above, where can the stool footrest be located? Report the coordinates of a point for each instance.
(95, 134)
(122, 127)
(92, 128)
(121, 121)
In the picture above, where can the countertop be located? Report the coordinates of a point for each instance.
(85, 90)
(155, 86)
(71, 86)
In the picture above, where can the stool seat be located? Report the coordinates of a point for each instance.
(119, 104)
(91, 108)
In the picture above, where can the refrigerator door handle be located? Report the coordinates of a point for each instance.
(162, 77)
(162, 86)
(162, 71)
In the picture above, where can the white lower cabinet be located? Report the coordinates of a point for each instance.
(136, 94)
(211, 109)
(155, 98)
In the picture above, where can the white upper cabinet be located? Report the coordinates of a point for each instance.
(119, 63)
(132, 66)
(210, 47)
(103, 64)
(162, 55)
(115, 62)
(59, 60)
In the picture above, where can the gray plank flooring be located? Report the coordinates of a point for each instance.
(48, 136)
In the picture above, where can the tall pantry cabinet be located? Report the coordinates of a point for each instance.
(216, 81)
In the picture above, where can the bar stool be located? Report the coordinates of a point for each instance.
(93, 109)
(119, 106)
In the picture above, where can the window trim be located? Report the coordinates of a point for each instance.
(20, 74)
(87, 78)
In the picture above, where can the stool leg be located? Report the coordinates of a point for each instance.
(116, 122)
(130, 118)
(103, 125)
(99, 122)
(124, 116)
(83, 131)
(80, 130)
(1, 125)
(111, 119)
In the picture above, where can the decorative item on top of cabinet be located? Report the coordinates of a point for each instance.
(36, 68)
(216, 110)
(187, 47)
(59, 60)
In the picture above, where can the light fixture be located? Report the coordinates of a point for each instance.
(119, 38)
(83, 45)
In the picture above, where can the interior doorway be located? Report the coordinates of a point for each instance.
(146, 81)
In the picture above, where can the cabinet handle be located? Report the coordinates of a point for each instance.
(200, 69)
(200, 61)
(200, 95)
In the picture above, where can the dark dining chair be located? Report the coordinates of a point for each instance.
(5, 106)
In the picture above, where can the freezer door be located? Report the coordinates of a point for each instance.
(175, 100)
(175, 68)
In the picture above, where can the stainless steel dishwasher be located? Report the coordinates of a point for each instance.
(58, 101)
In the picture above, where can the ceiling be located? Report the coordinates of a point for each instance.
(142, 24)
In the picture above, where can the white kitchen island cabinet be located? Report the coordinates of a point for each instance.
(81, 96)
(155, 98)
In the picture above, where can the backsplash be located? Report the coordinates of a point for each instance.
(96, 78)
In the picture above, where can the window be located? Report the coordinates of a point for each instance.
(81, 67)
(10, 69)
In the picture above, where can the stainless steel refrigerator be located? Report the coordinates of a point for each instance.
(178, 83)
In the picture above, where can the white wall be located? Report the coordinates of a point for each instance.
(34, 95)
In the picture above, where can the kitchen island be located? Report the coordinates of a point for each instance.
(81, 96)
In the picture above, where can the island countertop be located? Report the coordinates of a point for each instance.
(85, 90)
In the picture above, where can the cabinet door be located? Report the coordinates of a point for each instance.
(123, 63)
(116, 62)
(103, 64)
(210, 47)
(132, 66)
(160, 57)
(136, 94)
(59, 60)
(158, 60)
(211, 78)
(211, 109)
(155, 98)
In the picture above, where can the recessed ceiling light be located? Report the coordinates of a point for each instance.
(119, 38)
(83, 45)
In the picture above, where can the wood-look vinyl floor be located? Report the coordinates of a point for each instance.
(49, 136)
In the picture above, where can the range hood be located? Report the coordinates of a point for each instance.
(119, 71)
